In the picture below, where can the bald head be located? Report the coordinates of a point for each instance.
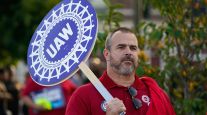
(110, 36)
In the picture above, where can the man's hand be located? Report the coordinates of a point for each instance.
(115, 107)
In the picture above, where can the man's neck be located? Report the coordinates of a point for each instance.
(121, 80)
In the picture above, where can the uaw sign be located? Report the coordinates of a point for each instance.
(62, 43)
(63, 39)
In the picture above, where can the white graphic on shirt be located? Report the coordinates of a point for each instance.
(146, 99)
(103, 106)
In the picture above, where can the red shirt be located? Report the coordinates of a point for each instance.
(86, 100)
(67, 88)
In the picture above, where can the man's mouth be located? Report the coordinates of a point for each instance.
(128, 62)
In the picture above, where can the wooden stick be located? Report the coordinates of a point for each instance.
(95, 81)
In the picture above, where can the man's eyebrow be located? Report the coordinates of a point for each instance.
(121, 44)
(127, 45)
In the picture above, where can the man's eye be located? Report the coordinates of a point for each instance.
(133, 48)
(120, 47)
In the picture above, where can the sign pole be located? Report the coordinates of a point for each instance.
(96, 83)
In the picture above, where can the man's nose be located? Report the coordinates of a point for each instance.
(128, 51)
(128, 55)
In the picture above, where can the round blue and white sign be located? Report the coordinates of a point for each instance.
(63, 39)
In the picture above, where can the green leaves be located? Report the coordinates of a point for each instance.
(113, 17)
(18, 21)
(100, 42)
(182, 35)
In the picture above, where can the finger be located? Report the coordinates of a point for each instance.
(123, 108)
(115, 105)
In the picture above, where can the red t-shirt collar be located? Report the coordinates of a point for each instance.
(109, 83)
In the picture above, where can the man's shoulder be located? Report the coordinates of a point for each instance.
(148, 80)
(85, 89)
(151, 84)
(86, 86)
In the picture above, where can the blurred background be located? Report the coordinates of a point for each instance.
(172, 37)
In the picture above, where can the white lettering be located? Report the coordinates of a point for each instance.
(59, 41)
(66, 32)
(52, 55)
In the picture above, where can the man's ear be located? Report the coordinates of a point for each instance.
(106, 54)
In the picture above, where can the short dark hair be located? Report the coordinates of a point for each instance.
(108, 39)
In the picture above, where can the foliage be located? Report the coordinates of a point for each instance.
(111, 20)
(18, 21)
(180, 40)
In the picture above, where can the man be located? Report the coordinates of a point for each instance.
(132, 95)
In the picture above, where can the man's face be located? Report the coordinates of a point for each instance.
(123, 53)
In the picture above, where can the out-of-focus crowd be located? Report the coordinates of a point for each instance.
(9, 92)
(19, 99)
